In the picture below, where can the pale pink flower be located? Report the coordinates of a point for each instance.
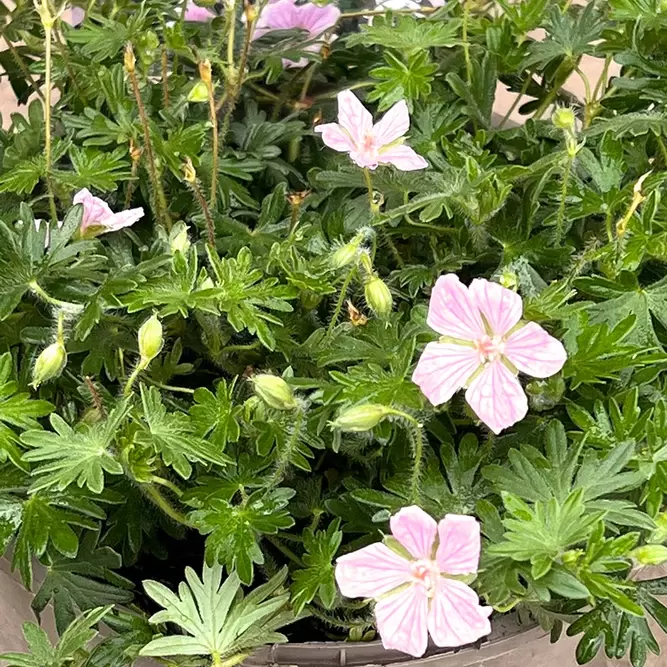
(422, 593)
(198, 14)
(98, 218)
(371, 144)
(483, 347)
(287, 15)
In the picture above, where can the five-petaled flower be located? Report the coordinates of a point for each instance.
(371, 144)
(314, 19)
(197, 14)
(416, 584)
(483, 346)
(98, 218)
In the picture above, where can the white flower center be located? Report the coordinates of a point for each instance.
(426, 573)
(490, 348)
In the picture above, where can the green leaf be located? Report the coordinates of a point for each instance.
(234, 531)
(317, 578)
(215, 416)
(218, 620)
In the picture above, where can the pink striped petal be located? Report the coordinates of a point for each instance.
(371, 572)
(402, 157)
(402, 620)
(393, 125)
(501, 306)
(443, 369)
(497, 397)
(415, 530)
(452, 311)
(533, 351)
(198, 14)
(456, 617)
(95, 210)
(317, 19)
(460, 544)
(353, 116)
(334, 136)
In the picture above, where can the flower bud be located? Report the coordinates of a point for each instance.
(360, 418)
(198, 92)
(274, 391)
(378, 297)
(564, 119)
(150, 339)
(650, 554)
(50, 363)
(129, 60)
(179, 241)
(346, 253)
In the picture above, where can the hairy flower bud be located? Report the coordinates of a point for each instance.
(198, 92)
(360, 418)
(50, 363)
(378, 297)
(274, 391)
(150, 339)
(564, 119)
(346, 253)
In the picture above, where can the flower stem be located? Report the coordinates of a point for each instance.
(286, 551)
(416, 435)
(517, 99)
(127, 390)
(167, 484)
(285, 455)
(165, 77)
(47, 22)
(371, 198)
(160, 501)
(205, 74)
(95, 396)
(341, 300)
(560, 218)
(40, 292)
(466, 43)
(160, 199)
(210, 225)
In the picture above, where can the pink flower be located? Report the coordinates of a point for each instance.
(420, 592)
(98, 218)
(483, 347)
(198, 14)
(287, 15)
(370, 145)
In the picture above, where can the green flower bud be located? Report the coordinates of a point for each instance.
(150, 339)
(346, 253)
(50, 363)
(378, 297)
(198, 92)
(360, 418)
(274, 391)
(179, 239)
(650, 554)
(564, 119)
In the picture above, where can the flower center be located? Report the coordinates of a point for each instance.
(490, 348)
(368, 142)
(426, 573)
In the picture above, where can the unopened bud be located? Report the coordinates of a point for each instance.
(509, 279)
(130, 60)
(274, 391)
(650, 554)
(564, 119)
(360, 418)
(346, 253)
(205, 71)
(150, 339)
(378, 297)
(179, 239)
(198, 92)
(50, 363)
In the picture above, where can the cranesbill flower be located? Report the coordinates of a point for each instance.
(198, 14)
(417, 583)
(371, 144)
(98, 218)
(287, 15)
(483, 347)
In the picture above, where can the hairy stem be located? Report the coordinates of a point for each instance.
(517, 99)
(560, 217)
(19, 60)
(416, 435)
(210, 225)
(285, 455)
(167, 484)
(341, 300)
(164, 60)
(95, 396)
(48, 31)
(40, 292)
(127, 390)
(466, 43)
(160, 199)
(286, 551)
(154, 494)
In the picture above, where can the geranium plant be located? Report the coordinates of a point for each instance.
(300, 340)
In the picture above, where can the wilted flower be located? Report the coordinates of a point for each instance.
(198, 14)
(287, 15)
(98, 218)
(415, 584)
(483, 347)
(371, 144)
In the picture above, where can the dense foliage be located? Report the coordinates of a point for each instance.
(155, 434)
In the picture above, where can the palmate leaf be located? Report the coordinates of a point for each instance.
(219, 621)
(81, 455)
(234, 531)
(67, 651)
(173, 436)
(215, 416)
(82, 583)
